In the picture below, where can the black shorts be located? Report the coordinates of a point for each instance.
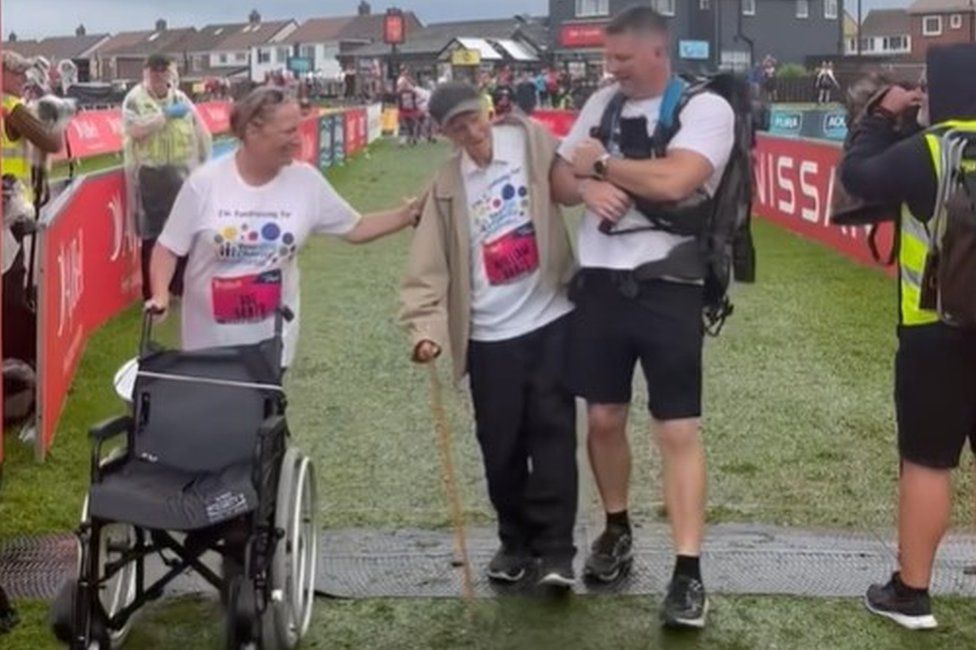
(661, 326)
(935, 394)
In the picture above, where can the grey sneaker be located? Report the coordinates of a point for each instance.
(508, 566)
(686, 605)
(557, 573)
(611, 555)
(913, 612)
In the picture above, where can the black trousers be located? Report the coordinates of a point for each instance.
(526, 427)
(19, 320)
(175, 285)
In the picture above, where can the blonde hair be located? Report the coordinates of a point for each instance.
(256, 107)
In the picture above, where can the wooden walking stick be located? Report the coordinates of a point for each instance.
(449, 479)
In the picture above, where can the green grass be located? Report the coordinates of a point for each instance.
(799, 430)
(740, 623)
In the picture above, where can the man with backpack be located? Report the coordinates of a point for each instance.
(649, 194)
(931, 177)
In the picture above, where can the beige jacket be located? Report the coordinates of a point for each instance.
(435, 295)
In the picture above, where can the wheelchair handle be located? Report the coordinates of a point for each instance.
(283, 314)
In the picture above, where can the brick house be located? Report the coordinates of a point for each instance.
(941, 22)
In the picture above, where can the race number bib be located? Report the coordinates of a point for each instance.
(512, 256)
(246, 299)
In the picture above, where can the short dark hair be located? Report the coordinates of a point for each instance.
(637, 18)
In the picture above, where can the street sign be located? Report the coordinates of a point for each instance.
(694, 50)
(464, 57)
(394, 27)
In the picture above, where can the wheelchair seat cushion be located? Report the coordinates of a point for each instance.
(151, 495)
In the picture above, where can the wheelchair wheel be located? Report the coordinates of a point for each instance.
(293, 568)
(120, 591)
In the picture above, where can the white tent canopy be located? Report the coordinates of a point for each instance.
(517, 51)
(480, 45)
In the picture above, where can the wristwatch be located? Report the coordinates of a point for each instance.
(600, 168)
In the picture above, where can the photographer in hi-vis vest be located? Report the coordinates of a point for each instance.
(22, 135)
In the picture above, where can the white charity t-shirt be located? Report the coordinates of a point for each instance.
(707, 128)
(242, 243)
(508, 295)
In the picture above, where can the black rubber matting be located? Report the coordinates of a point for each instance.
(737, 559)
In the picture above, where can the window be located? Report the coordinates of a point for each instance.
(896, 43)
(592, 8)
(931, 25)
(705, 5)
(283, 54)
(830, 9)
(955, 21)
(802, 8)
(264, 56)
(308, 51)
(748, 7)
(223, 58)
(240, 56)
(867, 44)
(664, 7)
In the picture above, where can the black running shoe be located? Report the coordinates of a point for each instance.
(507, 566)
(913, 612)
(610, 556)
(686, 605)
(557, 573)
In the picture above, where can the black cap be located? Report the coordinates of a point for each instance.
(451, 99)
(159, 61)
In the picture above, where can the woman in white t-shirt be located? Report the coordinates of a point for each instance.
(242, 220)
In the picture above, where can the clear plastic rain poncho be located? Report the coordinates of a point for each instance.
(164, 140)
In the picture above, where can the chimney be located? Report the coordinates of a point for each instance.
(160, 25)
(13, 37)
(254, 18)
(81, 31)
(364, 8)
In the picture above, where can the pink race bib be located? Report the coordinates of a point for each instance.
(512, 256)
(246, 299)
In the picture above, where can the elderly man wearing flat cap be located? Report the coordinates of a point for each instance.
(486, 280)
(165, 139)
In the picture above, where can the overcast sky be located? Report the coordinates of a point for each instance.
(39, 18)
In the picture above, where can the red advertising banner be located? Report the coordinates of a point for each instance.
(582, 35)
(216, 115)
(309, 132)
(558, 122)
(89, 272)
(794, 182)
(362, 130)
(93, 133)
(351, 132)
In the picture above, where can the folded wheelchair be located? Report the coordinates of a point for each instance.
(205, 468)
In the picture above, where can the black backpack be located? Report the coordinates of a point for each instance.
(720, 223)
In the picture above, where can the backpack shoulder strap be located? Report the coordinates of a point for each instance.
(676, 96)
(610, 118)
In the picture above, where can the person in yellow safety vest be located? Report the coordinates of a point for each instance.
(19, 131)
(935, 366)
(165, 139)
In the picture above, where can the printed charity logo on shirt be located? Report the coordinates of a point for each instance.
(246, 298)
(512, 256)
(504, 205)
(257, 238)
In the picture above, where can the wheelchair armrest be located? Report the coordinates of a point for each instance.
(110, 428)
(102, 432)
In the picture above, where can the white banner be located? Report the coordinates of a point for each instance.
(374, 121)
